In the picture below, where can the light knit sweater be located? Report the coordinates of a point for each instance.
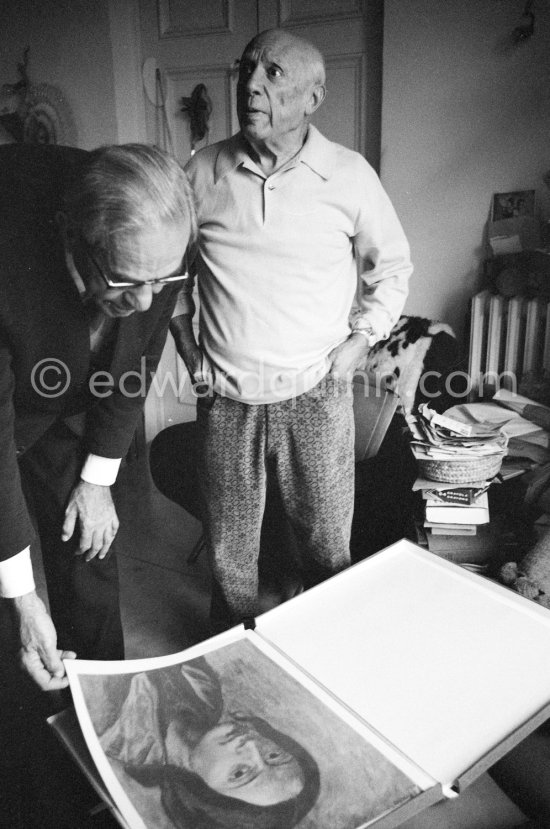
(282, 259)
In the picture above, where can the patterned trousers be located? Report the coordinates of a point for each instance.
(307, 444)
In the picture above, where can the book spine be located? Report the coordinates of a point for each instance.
(457, 515)
(466, 530)
(466, 496)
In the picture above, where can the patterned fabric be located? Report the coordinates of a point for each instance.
(307, 445)
(400, 360)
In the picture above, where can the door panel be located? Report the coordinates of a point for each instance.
(192, 42)
(338, 29)
(342, 115)
(317, 11)
(194, 17)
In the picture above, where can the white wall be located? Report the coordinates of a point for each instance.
(70, 47)
(464, 115)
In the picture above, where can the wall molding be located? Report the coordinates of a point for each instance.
(289, 13)
(168, 30)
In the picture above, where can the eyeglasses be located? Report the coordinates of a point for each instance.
(132, 283)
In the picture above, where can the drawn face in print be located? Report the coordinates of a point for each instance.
(234, 759)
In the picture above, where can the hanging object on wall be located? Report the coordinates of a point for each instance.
(198, 108)
(149, 78)
(163, 127)
(526, 25)
(13, 101)
(49, 119)
(36, 114)
(154, 92)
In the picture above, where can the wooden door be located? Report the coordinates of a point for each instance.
(194, 42)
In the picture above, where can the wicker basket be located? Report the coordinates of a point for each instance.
(461, 470)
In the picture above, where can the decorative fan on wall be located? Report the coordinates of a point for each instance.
(35, 114)
(48, 118)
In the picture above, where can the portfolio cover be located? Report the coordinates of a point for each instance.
(356, 704)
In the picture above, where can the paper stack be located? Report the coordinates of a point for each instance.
(525, 424)
(528, 426)
(440, 437)
(456, 513)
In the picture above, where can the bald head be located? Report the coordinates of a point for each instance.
(281, 84)
(309, 55)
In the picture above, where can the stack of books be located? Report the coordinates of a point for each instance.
(456, 511)
(455, 523)
(457, 526)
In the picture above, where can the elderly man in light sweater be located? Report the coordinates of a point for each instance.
(292, 228)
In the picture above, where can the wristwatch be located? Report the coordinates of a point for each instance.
(367, 331)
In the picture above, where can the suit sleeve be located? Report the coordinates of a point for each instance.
(113, 420)
(16, 530)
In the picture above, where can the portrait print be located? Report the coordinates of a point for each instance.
(230, 739)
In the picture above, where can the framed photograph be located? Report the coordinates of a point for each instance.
(512, 205)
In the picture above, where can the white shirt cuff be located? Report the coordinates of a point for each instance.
(101, 471)
(16, 576)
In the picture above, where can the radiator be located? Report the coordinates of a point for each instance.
(509, 339)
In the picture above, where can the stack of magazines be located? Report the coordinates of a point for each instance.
(457, 461)
(439, 437)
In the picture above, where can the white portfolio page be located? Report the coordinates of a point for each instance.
(442, 662)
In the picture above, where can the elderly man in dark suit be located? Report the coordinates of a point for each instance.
(92, 253)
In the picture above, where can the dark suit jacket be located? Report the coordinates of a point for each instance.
(42, 318)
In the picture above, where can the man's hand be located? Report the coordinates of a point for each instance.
(39, 655)
(92, 505)
(346, 357)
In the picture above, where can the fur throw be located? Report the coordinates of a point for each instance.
(398, 362)
(531, 576)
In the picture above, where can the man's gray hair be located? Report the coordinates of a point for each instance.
(128, 188)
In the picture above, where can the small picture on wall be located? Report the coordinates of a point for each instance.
(512, 205)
